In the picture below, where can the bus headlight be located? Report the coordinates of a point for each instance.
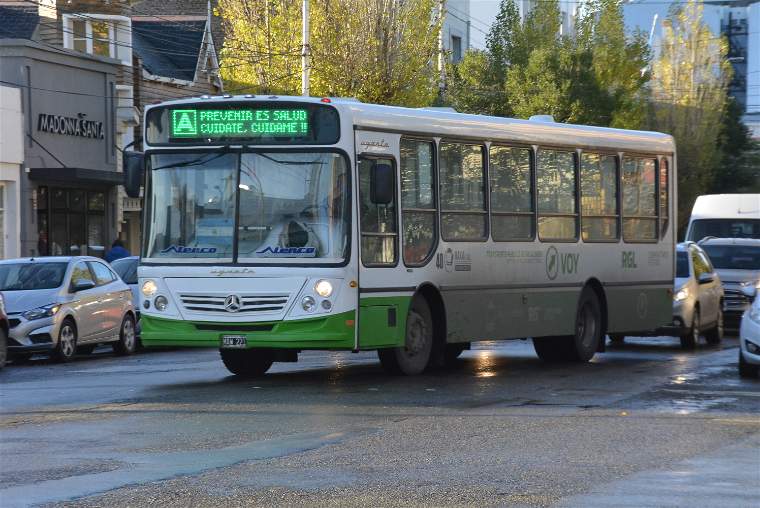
(323, 288)
(149, 288)
(161, 303)
(308, 303)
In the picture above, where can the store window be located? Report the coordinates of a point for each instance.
(71, 222)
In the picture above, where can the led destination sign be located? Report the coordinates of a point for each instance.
(239, 123)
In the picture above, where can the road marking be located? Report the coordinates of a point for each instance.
(726, 393)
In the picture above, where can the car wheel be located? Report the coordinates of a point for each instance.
(747, 370)
(691, 337)
(715, 335)
(247, 362)
(127, 338)
(413, 357)
(3, 348)
(67, 342)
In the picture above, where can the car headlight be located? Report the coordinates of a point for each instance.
(749, 289)
(681, 294)
(149, 288)
(754, 314)
(323, 288)
(42, 312)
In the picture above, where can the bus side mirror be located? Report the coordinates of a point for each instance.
(133, 172)
(381, 184)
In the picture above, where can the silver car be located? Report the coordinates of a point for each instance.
(737, 260)
(58, 304)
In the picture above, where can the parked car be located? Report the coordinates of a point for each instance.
(737, 261)
(725, 216)
(3, 333)
(57, 304)
(749, 342)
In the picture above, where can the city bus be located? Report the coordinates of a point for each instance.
(274, 225)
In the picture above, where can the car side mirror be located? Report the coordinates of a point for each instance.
(381, 184)
(133, 164)
(706, 278)
(82, 285)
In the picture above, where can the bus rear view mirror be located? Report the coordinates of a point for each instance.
(381, 184)
(133, 172)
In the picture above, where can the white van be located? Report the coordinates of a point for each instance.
(725, 216)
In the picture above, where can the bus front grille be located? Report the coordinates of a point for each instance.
(244, 304)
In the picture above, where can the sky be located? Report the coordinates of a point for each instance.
(638, 14)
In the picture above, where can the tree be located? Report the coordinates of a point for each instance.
(739, 166)
(375, 50)
(689, 83)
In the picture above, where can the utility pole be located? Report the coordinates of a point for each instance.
(441, 52)
(305, 51)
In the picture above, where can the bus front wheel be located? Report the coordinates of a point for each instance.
(582, 346)
(413, 357)
(247, 362)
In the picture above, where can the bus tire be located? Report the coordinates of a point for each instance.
(413, 357)
(588, 327)
(247, 362)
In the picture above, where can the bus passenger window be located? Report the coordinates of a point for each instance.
(555, 182)
(463, 200)
(639, 200)
(599, 190)
(511, 194)
(378, 221)
(417, 201)
(664, 208)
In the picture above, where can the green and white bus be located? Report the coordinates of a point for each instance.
(274, 225)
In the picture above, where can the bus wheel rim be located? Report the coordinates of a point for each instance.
(416, 337)
(586, 326)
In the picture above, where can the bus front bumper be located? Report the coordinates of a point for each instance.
(328, 332)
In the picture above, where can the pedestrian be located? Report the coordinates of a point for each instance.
(117, 251)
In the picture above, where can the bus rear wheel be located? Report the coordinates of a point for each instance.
(247, 362)
(413, 357)
(582, 346)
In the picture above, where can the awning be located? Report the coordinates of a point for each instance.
(77, 175)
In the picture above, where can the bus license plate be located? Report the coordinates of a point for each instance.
(234, 341)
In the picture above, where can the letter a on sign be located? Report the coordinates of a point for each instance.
(184, 122)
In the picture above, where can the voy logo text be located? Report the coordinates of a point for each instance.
(560, 263)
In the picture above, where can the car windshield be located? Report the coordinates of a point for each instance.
(26, 276)
(724, 228)
(682, 264)
(285, 206)
(127, 269)
(734, 257)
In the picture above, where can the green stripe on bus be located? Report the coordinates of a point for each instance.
(382, 321)
(328, 332)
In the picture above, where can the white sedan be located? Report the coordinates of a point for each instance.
(749, 340)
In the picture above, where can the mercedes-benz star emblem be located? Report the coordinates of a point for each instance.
(232, 303)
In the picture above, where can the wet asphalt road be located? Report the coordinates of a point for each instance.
(644, 424)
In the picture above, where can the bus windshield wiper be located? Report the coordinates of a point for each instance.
(197, 161)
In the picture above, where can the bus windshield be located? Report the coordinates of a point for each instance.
(280, 205)
(724, 228)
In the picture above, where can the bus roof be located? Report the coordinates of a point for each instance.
(449, 124)
(726, 206)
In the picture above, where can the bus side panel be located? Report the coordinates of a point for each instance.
(638, 309)
(489, 314)
(382, 321)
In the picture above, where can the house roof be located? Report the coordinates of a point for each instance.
(169, 49)
(18, 22)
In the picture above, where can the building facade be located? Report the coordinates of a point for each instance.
(59, 55)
